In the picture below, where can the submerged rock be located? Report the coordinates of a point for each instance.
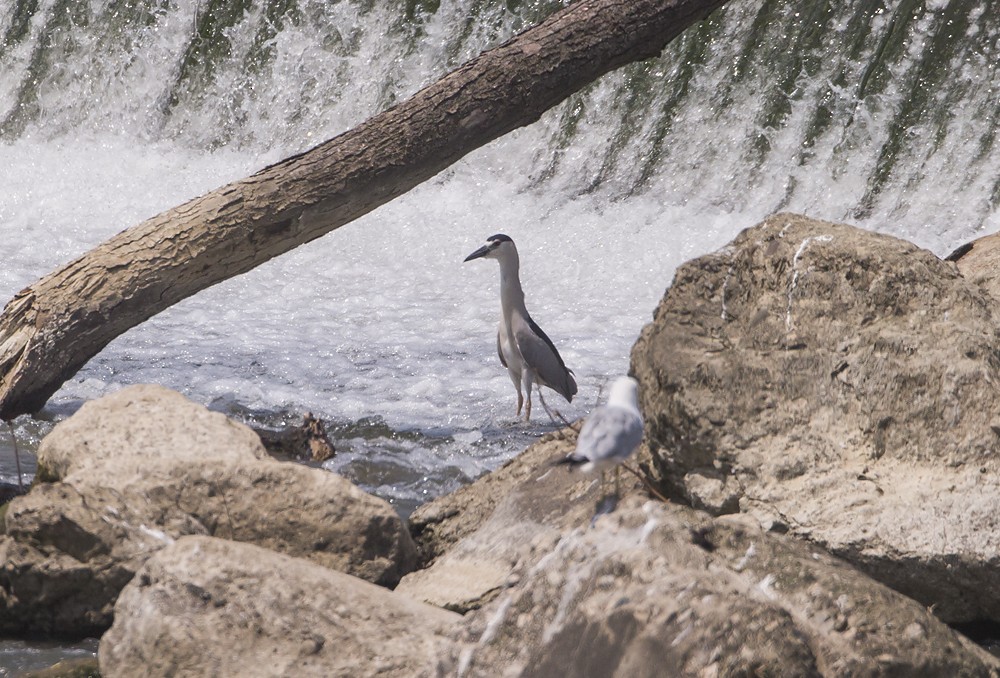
(133, 471)
(306, 442)
(842, 386)
(68, 668)
(212, 607)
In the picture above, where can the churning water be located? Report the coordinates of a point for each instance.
(880, 114)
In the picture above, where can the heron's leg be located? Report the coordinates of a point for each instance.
(618, 475)
(529, 380)
(515, 378)
(545, 406)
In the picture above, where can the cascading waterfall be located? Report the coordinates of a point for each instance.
(213, 73)
(866, 111)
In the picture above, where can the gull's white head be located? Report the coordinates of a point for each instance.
(624, 393)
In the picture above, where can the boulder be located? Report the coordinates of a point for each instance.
(130, 473)
(979, 262)
(657, 589)
(476, 538)
(839, 385)
(441, 523)
(654, 589)
(213, 607)
(647, 589)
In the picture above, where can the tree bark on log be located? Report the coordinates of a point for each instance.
(50, 329)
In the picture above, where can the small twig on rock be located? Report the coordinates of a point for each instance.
(225, 505)
(645, 481)
(17, 455)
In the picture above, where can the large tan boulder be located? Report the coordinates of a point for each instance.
(130, 473)
(213, 607)
(842, 386)
(649, 589)
(479, 536)
(654, 589)
(660, 590)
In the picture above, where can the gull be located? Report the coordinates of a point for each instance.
(524, 349)
(611, 433)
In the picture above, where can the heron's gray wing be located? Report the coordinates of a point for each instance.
(500, 350)
(610, 434)
(541, 355)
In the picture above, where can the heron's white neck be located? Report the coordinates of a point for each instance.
(511, 294)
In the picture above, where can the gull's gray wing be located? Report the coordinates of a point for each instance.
(609, 435)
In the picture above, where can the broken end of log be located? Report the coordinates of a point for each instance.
(17, 330)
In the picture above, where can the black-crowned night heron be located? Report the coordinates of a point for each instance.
(611, 433)
(528, 354)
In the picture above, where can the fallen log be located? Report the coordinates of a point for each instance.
(50, 329)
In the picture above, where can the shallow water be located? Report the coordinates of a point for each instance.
(379, 319)
(20, 656)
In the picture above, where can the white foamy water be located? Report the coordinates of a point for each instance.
(380, 318)
(379, 327)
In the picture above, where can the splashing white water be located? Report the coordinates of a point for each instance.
(381, 318)
(378, 319)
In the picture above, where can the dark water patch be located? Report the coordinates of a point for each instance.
(406, 466)
(19, 450)
(18, 657)
(985, 633)
(373, 428)
(404, 486)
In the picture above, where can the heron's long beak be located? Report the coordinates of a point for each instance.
(481, 252)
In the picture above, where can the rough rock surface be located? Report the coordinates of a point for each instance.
(131, 472)
(655, 589)
(840, 385)
(481, 534)
(979, 262)
(649, 589)
(440, 524)
(212, 607)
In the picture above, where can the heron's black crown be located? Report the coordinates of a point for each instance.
(499, 238)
